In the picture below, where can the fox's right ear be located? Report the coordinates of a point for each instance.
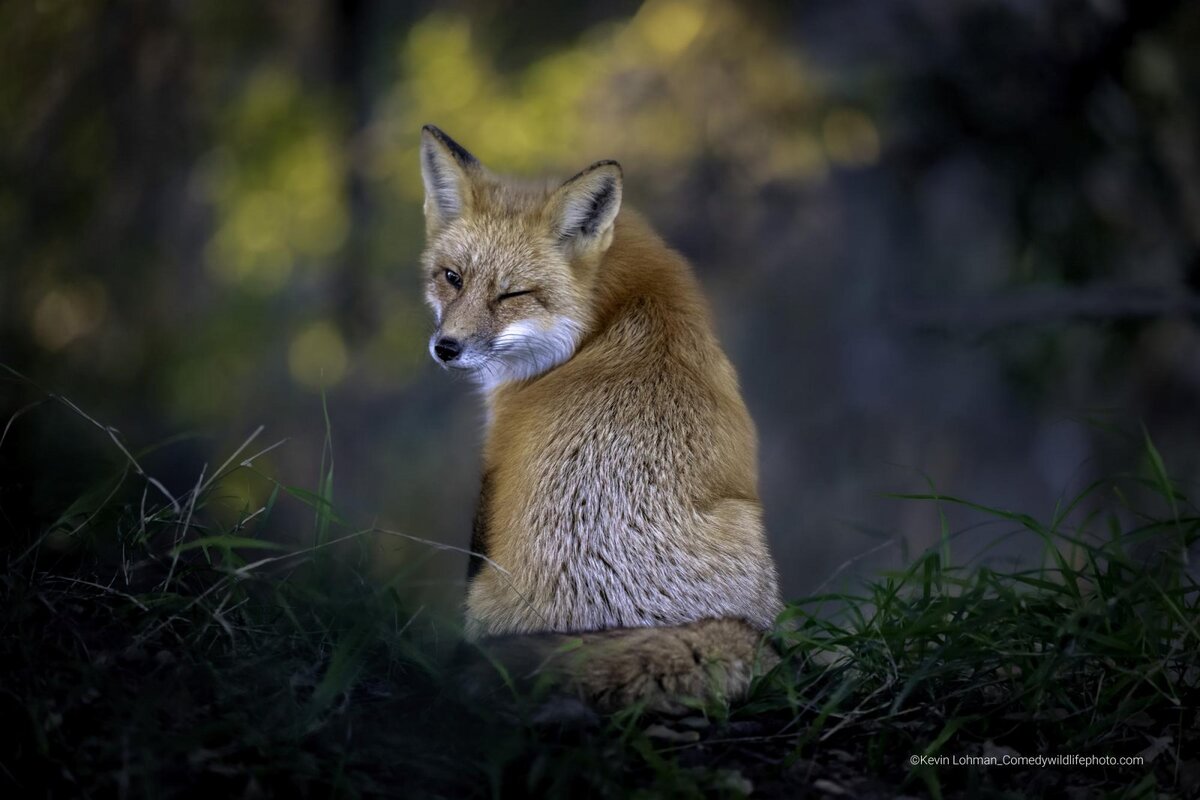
(446, 168)
(584, 208)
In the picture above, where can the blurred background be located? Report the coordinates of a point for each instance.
(948, 244)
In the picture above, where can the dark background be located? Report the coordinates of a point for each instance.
(948, 244)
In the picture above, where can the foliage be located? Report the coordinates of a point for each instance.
(944, 226)
(156, 646)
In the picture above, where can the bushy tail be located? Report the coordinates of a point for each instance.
(660, 668)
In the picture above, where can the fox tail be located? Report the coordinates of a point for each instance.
(660, 668)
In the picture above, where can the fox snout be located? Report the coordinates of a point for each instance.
(457, 347)
(446, 348)
(451, 348)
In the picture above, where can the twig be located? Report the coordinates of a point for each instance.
(99, 507)
(217, 473)
(18, 413)
(108, 429)
(507, 575)
(250, 461)
(102, 587)
(852, 561)
(184, 528)
(112, 434)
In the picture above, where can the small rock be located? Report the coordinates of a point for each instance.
(565, 712)
(733, 780)
(829, 787)
(695, 723)
(670, 735)
(745, 727)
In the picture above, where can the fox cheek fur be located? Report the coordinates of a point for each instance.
(620, 498)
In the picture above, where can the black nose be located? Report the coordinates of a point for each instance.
(447, 349)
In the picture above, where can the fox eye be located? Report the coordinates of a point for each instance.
(508, 295)
(453, 278)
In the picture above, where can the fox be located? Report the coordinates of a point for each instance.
(618, 543)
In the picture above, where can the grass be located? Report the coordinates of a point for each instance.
(155, 647)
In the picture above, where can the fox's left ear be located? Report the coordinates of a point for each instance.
(584, 208)
(446, 168)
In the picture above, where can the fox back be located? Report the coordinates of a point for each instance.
(620, 479)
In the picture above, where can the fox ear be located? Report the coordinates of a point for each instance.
(585, 207)
(446, 168)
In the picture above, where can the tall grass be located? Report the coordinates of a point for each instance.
(155, 648)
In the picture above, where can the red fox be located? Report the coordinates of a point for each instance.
(619, 503)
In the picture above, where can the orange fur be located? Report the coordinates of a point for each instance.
(620, 486)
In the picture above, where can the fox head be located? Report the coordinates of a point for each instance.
(508, 265)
